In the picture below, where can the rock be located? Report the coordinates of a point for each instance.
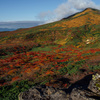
(77, 91)
(43, 93)
(92, 92)
(20, 96)
(94, 85)
(78, 94)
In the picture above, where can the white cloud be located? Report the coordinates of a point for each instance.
(44, 15)
(66, 9)
(20, 24)
(82, 4)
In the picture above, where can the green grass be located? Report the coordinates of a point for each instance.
(45, 48)
(74, 70)
(63, 70)
(11, 92)
(95, 67)
(71, 68)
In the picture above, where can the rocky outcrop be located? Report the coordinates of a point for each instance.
(95, 84)
(43, 93)
(81, 90)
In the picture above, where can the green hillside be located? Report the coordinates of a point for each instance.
(44, 54)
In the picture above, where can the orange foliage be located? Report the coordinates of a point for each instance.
(36, 68)
(15, 78)
(12, 71)
(28, 70)
(49, 72)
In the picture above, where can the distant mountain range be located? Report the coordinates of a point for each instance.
(10, 26)
(6, 29)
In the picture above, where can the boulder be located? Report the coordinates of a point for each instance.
(76, 91)
(94, 85)
(43, 93)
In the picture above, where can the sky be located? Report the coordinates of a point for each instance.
(28, 13)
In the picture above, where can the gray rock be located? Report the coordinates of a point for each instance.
(78, 92)
(43, 93)
(94, 85)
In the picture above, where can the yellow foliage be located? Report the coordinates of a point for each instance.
(88, 10)
(90, 18)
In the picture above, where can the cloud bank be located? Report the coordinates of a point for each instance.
(19, 24)
(66, 9)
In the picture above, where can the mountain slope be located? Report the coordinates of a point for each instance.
(48, 54)
(56, 31)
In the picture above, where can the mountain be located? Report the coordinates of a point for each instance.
(57, 54)
(58, 32)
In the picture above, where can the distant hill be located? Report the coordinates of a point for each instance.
(10, 26)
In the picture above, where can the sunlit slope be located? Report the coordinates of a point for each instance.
(64, 31)
(88, 16)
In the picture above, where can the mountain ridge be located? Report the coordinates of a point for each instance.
(85, 10)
